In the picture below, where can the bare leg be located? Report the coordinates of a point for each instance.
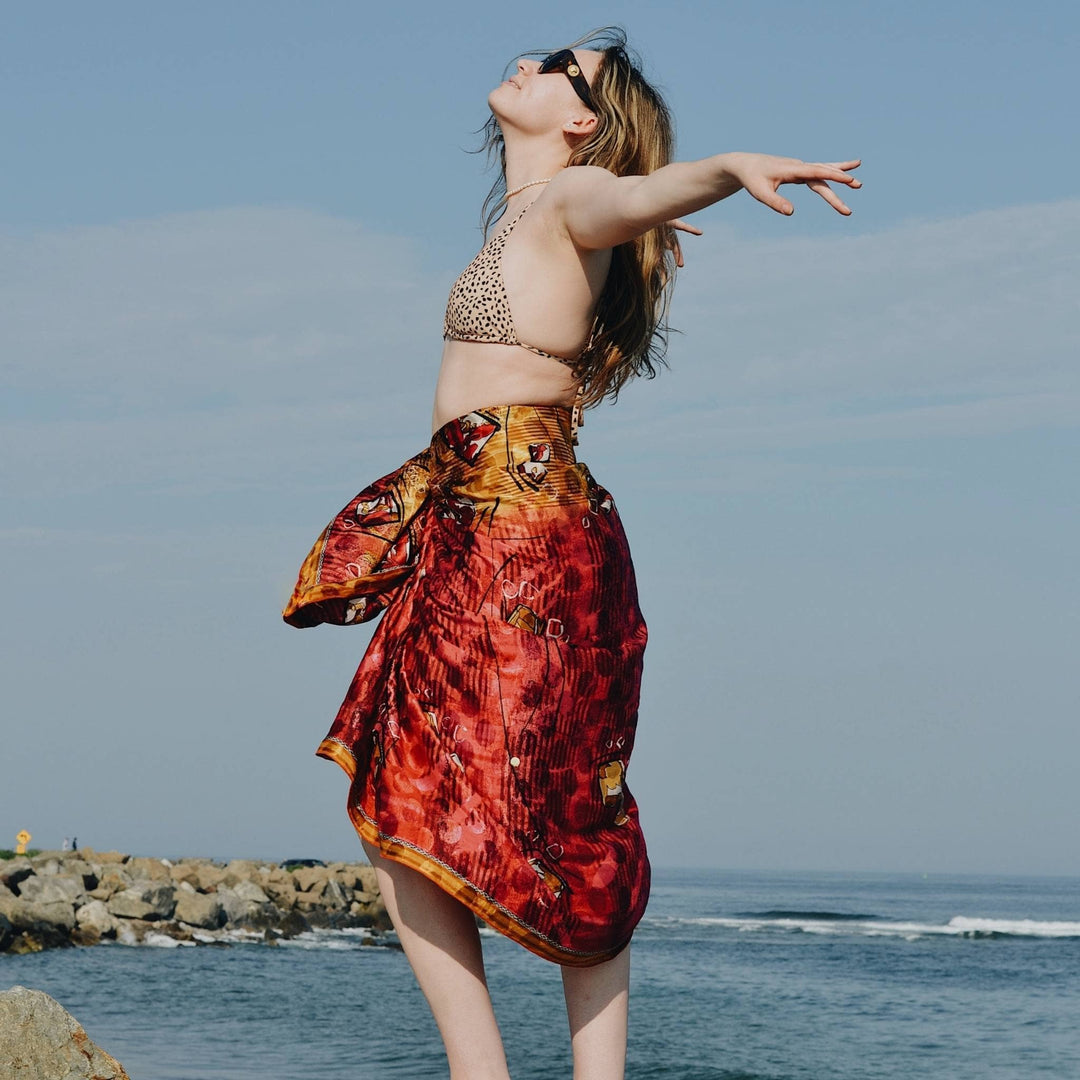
(597, 1004)
(442, 943)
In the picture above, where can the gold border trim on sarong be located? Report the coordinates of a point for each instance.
(489, 909)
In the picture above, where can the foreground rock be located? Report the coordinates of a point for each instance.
(59, 898)
(40, 1039)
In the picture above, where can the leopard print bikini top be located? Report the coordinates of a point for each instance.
(478, 309)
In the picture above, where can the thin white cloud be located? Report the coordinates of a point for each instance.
(238, 347)
(251, 301)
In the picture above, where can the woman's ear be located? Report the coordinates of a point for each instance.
(581, 125)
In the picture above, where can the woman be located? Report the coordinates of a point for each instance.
(488, 729)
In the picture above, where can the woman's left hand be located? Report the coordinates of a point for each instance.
(762, 174)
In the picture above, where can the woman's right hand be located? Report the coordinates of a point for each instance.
(681, 226)
(762, 174)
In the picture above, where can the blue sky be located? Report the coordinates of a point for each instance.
(227, 235)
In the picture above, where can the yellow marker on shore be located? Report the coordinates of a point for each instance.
(22, 838)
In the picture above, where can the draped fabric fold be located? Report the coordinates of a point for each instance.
(364, 555)
(488, 729)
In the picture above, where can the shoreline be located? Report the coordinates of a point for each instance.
(57, 899)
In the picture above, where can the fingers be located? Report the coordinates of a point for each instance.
(764, 174)
(829, 196)
(676, 247)
(803, 171)
(773, 199)
(764, 193)
(831, 170)
(684, 226)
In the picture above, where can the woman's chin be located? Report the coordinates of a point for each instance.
(497, 100)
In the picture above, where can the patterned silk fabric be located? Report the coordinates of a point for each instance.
(488, 729)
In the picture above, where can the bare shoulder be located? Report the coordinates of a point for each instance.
(547, 223)
(579, 181)
(594, 207)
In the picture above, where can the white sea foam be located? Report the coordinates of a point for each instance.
(322, 938)
(355, 937)
(162, 941)
(958, 926)
(1019, 927)
(240, 934)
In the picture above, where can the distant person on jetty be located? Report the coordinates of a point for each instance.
(66, 845)
(489, 727)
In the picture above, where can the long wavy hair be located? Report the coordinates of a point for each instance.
(634, 137)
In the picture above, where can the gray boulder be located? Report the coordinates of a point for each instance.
(237, 909)
(186, 874)
(143, 866)
(145, 900)
(103, 856)
(76, 865)
(239, 870)
(308, 877)
(334, 895)
(14, 871)
(112, 880)
(97, 918)
(56, 888)
(199, 909)
(248, 890)
(282, 893)
(27, 915)
(209, 876)
(40, 1039)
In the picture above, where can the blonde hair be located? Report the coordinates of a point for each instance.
(635, 136)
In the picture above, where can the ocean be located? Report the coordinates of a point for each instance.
(735, 975)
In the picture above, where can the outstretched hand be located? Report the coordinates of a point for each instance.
(762, 174)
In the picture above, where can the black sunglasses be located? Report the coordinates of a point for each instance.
(565, 61)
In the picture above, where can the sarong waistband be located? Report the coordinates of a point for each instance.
(500, 430)
(495, 455)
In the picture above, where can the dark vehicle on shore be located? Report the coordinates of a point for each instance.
(292, 864)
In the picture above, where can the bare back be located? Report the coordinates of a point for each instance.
(552, 287)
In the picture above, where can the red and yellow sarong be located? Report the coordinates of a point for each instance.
(488, 729)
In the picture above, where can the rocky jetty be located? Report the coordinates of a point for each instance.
(41, 1040)
(58, 898)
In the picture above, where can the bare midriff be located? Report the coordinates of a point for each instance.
(478, 373)
(544, 273)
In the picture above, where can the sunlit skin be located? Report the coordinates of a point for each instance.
(554, 266)
(556, 259)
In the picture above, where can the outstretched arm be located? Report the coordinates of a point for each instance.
(601, 210)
